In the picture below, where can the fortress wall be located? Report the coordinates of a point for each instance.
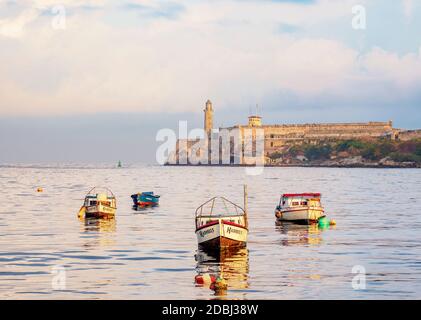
(278, 136)
(335, 125)
(328, 130)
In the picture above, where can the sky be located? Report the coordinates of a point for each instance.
(112, 73)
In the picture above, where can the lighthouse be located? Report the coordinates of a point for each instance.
(208, 118)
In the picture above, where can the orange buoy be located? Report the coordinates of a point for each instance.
(204, 279)
(332, 222)
(40, 189)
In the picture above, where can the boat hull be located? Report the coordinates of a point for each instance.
(100, 211)
(221, 235)
(145, 200)
(301, 216)
(145, 204)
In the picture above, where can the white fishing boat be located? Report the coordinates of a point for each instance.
(99, 203)
(221, 224)
(303, 208)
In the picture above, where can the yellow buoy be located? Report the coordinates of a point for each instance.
(220, 287)
(81, 212)
(220, 284)
(332, 222)
(40, 190)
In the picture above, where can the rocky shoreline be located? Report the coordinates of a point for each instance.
(368, 165)
(351, 162)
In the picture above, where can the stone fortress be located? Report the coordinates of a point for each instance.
(277, 137)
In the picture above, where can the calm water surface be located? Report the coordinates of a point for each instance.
(153, 254)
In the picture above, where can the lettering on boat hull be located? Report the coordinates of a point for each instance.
(222, 235)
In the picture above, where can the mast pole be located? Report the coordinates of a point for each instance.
(245, 198)
(246, 204)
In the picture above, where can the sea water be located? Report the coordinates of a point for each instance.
(46, 252)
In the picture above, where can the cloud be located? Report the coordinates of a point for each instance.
(408, 7)
(115, 59)
(30, 10)
(15, 27)
(402, 72)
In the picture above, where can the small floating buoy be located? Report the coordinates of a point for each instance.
(40, 190)
(332, 222)
(204, 279)
(324, 222)
(219, 286)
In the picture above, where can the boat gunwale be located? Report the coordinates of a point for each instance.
(101, 205)
(220, 216)
(301, 209)
(301, 195)
(145, 194)
(212, 223)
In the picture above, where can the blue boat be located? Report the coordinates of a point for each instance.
(145, 199)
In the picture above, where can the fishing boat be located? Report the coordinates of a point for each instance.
(145, 199)
(99, 203)
(221, 224)
(303, 208)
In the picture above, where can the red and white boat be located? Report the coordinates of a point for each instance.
(221, 224)
(303, 208)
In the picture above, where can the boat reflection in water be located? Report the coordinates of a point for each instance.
(101, 231)
(231, 265)
(296, 234)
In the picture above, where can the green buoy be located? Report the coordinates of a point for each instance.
(324, 223)
(119, 164)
